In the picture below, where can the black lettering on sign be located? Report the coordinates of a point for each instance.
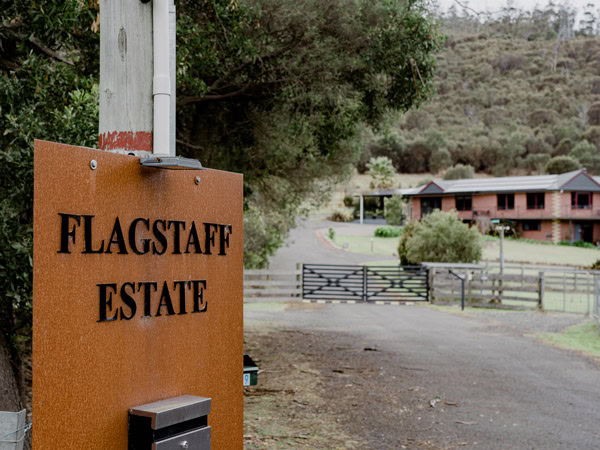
(157, 242)
(65, 232)
(106, 301)
(132, 293)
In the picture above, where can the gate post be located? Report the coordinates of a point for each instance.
(541, 291)
(365, 284)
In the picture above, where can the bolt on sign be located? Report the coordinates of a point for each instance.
(137, 295)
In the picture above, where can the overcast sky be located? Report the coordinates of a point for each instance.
(497, 5)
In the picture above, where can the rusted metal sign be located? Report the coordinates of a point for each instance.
(137, 295)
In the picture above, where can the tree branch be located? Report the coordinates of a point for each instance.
(40, 46)
(188, 145)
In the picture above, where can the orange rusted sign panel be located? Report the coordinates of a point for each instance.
(137, 295)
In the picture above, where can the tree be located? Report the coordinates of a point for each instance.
(459, 172)
(48, 90)
(285, 86)
(276, 89)
(440, 237)
(587, 155)
(382, 172)
(394, 209)
(561, 164)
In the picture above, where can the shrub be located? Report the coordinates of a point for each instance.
(459, 172)
(387, 232)
(394, 210)
(331, 233)
(348, 201)
(440, 159)
(382, 172)
(561, 164)
(339, 216)
(440, 237)
(596, 265)
(407, 233)
(581, 244)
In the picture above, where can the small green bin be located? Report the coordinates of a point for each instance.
(250, 372)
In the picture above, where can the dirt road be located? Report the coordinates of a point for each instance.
(378, 376)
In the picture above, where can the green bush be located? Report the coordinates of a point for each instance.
(439, 237)
(407, 233)
(331, 233)
(348, 201)
(459, 172)
(388, 232)
(561, 164)
(393, 210)
(339, 216)
(581, 244)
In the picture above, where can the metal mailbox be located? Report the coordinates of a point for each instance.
(250, 372)
(172, 424)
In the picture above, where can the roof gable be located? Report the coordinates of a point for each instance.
(432, 188)
(581, 182)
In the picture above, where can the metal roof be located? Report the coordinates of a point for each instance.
(506, 184)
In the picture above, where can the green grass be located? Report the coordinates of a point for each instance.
(362, 244)
(515, 250)
(584, 338)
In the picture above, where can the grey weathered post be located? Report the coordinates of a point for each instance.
(541, 291)
(126, 72)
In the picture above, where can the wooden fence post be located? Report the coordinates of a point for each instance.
(431, 284)
(299, 280)
(541, 291)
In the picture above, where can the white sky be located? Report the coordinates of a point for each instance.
(497, 5)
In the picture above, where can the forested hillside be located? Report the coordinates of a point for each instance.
(511, 94)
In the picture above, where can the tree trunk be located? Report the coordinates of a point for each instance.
(10, 398)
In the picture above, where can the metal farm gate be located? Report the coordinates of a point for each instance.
(365, 283)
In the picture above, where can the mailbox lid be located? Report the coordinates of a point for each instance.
(196, 439)
(174, 410)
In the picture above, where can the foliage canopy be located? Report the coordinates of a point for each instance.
(440, 237)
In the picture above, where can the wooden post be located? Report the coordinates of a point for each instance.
(541, 291)
(299, 278)
(126, 72)
(431, 285)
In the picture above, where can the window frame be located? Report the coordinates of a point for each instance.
(506, 204)
(466, 202)
(576, 195)
(526, 225)
(536, 196)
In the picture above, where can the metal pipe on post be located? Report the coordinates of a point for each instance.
(462, 288)
(161, 82)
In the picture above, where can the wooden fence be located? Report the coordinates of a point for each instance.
(548, 288)
(272, 285)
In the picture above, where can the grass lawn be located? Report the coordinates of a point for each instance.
(584, 338)
(514, 250)
(519, 251)
(368, 245)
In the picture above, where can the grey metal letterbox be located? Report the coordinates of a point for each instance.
(172, 424)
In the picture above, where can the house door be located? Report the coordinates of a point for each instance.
(584, 231)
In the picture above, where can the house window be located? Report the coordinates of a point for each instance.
(535, 200)
(506, 201)
(429, 204)
(581, 200)
(464, 203)
(532, 225)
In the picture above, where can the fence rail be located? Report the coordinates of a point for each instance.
(549, 288)
(272, 285)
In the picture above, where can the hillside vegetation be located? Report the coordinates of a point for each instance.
(511, 94)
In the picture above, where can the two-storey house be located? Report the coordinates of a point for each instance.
(543, 207)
